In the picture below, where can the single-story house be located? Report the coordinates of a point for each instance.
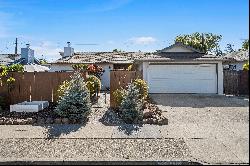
(26, 58)
(35, 68)
(236, 60)
(107, 60)
(7, 59)
(182, 69)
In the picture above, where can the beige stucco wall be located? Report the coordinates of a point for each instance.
(105, 78)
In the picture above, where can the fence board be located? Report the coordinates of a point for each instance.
(38, 86)
(120, 79)
(236, 82)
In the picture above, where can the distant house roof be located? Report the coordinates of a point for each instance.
(6, 59)
(105, 57)
(179, 44)
(202, 58)
(237, 56)
(180, 52)
(35, 68)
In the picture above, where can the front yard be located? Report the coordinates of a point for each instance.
(204, 129)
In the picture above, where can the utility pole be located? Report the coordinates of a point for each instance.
(16, 47)
(203, 42)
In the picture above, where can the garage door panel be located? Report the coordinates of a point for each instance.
(182, 78)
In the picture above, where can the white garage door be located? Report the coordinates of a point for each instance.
(201, 78)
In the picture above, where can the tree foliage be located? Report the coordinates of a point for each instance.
(5, 76)
(93, 84)
(205, 42)
(131, 106)
(43, 61)
(229, 48)
(245, 45)
(75, 103)
(246, 66)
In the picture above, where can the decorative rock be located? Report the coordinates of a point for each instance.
(58, 121)
(1, 122)
(24, 121)
(30, 121)
(144, 121)
(40, 121)
(49, 121)
(73, 121)
(21, 122)
(147, 114)
(15, 122)
(150, 121)
(155, 121)
(9, 122)
(163, 121)
(65, 120)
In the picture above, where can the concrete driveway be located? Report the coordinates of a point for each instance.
(215, 128)
(202, 129)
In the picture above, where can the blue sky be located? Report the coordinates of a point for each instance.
(129, 25)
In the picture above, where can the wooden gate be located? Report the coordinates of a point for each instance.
(120, 79)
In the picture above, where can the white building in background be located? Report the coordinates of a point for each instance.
(235, 60)
(107, 60)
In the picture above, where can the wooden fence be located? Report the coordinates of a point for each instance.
(120, 79)
(34, 86)
(236, 82)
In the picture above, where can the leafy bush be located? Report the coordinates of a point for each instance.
(93, 69)
(4, 73)
(62, 88)
(130, 67)
(246, 66)
(93, 84)
(80, 67)
(15, 68)
(75, 103)
(131, 105)
(142, 86)
(118, 96)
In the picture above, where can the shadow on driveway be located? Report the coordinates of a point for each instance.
(55, 130)
(199, 100)
(111, 118)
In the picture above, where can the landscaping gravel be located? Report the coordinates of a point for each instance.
(99, 149)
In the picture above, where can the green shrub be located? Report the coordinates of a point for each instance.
(4, 74)
(75, 103)
(131, 106)
(130, 67)
(142, 86)
(118, 96)
(15, 68)
(246, 66)
(62, 88)
(80, 67)
(93, 84)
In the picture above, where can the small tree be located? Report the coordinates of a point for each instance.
(131, 106)
(206, 42)
(229, 48)
(75, 103)
(245, 45)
